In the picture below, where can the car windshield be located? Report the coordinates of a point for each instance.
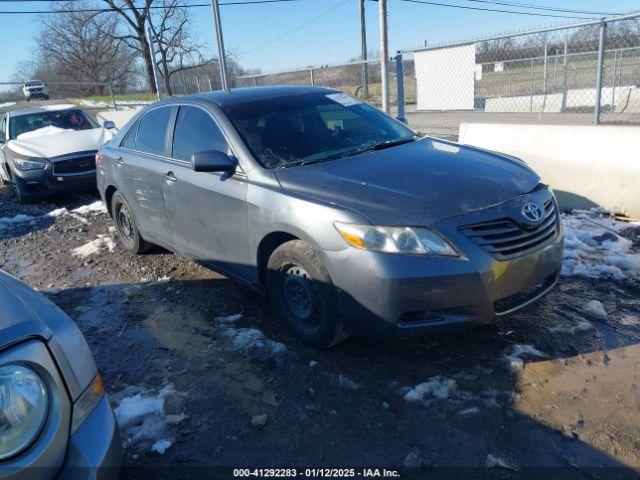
(297, 130)
(72, 119)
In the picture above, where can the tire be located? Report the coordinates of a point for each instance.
(303, 294)
(46, 97)
(126, 226)
(18, 191)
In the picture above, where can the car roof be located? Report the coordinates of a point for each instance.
(41, 109)
(249, 94)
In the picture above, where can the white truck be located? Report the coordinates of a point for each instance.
(35, 89)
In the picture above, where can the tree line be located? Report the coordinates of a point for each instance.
(112, 46)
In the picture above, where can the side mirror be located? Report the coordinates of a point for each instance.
(108, 124)
(212, 161)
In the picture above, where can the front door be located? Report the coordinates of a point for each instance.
(207, 210)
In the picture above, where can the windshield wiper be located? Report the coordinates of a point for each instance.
(391, 143)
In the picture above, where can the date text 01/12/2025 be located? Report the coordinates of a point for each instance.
(316, 473)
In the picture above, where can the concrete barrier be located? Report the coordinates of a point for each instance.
(587, 166)
(120, 117)
(626, 99)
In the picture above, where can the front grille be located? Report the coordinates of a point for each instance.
(83, 164)
(505, 238)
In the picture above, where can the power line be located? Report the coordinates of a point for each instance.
(542, 7)
(152, 7)
(497, 10)
(318, 17)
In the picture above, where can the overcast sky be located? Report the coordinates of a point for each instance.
(249, 30)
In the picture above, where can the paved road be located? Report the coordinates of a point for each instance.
(447, 124)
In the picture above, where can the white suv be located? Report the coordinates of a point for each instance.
(35, 89)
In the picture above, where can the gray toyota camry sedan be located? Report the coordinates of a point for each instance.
(350, 221)
(55, 419)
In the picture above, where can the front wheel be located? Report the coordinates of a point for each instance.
(126, 226)
(302, 292)
(18, 190)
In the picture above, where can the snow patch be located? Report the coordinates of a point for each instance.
(437, 387)
(96, 207)
(161, 446)
(85, 102)
(515, 355)
(581, 325)
(145, 422)
(42, 132)
(94, 247)
(493, 461)
(20, 218)
(58, 212)
(7, 104)
(595, 309)
(246, 339)
(594, 248)
(229, 319)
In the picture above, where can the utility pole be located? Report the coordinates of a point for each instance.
(152, 53)
(363, 43)
(384, 55)
(222, 59)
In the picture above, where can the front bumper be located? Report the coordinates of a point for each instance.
(95, 450)
(40, 183)
(385, 295)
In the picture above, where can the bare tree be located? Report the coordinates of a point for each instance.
(136, 18)
(176, 50)
(81, 46)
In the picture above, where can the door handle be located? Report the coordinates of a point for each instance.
(119, 161)
(170, 177)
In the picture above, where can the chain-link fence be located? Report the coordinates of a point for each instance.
(577, 74)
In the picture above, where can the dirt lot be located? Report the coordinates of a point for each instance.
(554, 386)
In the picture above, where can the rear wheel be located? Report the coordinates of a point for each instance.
(302, 292)
(126, 226)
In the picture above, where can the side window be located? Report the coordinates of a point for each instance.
(195, 132)
(152, 131)
(3, 129)
(130, 139)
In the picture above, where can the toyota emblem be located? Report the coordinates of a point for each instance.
(532, 212)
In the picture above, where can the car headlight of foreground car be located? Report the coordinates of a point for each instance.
(24, 406)
(25, 164)
(413, 240)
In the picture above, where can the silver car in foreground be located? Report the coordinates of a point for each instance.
(55, 419)
(349, 220)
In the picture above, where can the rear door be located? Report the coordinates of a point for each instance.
(139, 173)
(208, 210)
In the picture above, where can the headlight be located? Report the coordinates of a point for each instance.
(396, 239)
(24, 405)
(25, 165)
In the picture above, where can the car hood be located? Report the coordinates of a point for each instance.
(418, 183)
(61, 143)
(27, 314)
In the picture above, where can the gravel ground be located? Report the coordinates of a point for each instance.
(553, 386)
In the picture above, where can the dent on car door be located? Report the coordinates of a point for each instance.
(208, 210)
(138, 172)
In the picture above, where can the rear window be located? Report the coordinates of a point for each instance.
(152, 131)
